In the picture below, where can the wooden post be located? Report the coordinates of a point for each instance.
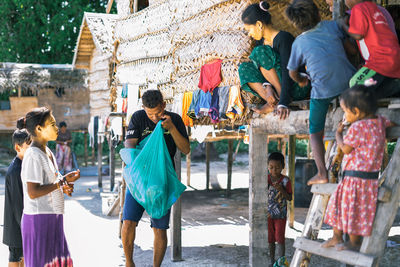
(111, 162)
(19, 91)
(230, 163)
(85, 134)
(375, 243)
(338, 9)
(109, 6)
(94, 153)
(207, 165)
(99, 164)
(135, 6)
(188, 162)
(176, 235)
(258, 200)
(292, 161)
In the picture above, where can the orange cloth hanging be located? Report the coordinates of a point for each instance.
(187, 99)
(235, 104)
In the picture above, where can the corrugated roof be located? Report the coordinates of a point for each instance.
(14, 75)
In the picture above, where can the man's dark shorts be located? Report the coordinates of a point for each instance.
(133, 211)
(16, 254)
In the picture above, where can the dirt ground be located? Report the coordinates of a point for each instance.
(215, 229)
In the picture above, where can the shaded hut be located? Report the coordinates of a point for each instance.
(59, 87)
(93, 53)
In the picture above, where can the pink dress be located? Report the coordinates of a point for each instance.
(352, 206)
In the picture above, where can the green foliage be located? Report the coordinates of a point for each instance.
(391, 147)
(42, 31)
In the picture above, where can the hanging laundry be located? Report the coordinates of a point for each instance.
(223, 101)
(191, 113)
(119, 102)
(200, 132)
(177, 104)
(187, 100)
(214, 107)
(124, 105)
(133, 100)
(93, 128)
(203, 105)
(124, 92)
(210, 76)
(235, 105)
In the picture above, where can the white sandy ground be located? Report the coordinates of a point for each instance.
(218, 240)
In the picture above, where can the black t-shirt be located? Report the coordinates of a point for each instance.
(13, 205)
(282, 44)
(141, 126)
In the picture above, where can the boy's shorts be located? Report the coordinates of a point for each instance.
(133, 211)
(318, 110)
(380, 88)
(16, 254)
(276, 230)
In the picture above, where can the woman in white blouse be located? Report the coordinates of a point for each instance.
(44, 243)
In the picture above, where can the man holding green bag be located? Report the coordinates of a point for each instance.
(142, 124)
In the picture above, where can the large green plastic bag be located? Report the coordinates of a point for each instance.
(150, 174)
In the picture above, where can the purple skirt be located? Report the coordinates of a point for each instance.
(44, 242)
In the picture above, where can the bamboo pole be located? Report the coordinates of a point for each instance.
(85, 134)
(208, 165)
(230, 163)
(292, 161)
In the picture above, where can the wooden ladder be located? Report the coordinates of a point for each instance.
(372, 247)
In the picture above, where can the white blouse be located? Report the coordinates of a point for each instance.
(38, 168)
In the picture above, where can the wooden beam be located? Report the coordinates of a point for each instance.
(258, 199)
(176, 232)
(229, 170)
(345, 256)
(208, 166)
(292, 162)
(109, 6)
(297, 123)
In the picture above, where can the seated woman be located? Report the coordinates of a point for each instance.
(267, 75)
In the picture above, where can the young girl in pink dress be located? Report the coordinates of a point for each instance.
(351, 208)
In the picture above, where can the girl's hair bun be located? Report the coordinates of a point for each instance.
(264, 5)
(21, 123)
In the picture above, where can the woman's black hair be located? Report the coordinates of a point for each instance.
(361, 97)
(33, 118)
(21, 135)
(257, 12)
(62, 124)
(303, 14)
(152, 98)
(277, 156)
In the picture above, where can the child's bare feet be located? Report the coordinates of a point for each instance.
(331, 242)
(347, 246)
(318, 179)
